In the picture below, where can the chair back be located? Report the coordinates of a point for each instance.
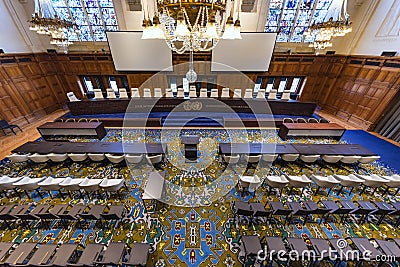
(203, 92)
(225, 92)
(169, 93)
(111, 93)
(286, 95)
(158, 92)
(248, 93)
(192, 93)
(135, 92)
(261, 93)
(123, 93)
(146, 92)
(237, 93)
(214, 93)
(180, 93)
(71, 97)
(98, 94)
(272, 94)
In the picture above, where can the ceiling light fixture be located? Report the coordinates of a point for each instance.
(335, 23)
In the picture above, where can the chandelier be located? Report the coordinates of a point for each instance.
(45, 21)
(335, 23)
(191, 25)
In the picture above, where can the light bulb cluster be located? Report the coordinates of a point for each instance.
(191, 25)
(336, 23)
(46, 22)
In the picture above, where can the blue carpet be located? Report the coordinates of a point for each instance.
(389, 153)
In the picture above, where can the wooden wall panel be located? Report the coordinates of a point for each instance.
(355, 88)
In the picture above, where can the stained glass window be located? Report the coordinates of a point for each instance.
(290, 18)
(92, 17)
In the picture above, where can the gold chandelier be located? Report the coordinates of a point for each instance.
(191, 25)
(45, 21)
(335, 23)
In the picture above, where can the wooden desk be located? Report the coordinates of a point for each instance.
(303, 149)
(256, 148)
(50, 129)
(333, 149)
(91, 147)
(165, 104)
(311, 129)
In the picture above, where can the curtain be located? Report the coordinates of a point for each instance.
(389, 126)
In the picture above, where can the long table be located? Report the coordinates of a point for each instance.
(304, 149)
(135, 105)
(311, 129)
(91, 147)
(50, 129)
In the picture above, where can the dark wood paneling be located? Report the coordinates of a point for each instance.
(350, 87)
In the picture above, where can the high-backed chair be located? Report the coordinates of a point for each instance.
(192, 92)
(289, 157)
(203, 92)
(261, 93)
(332, 158)
(123, 93)
(98, 94)
(169, 93)
(248, 93)
(154, 159)
(309, 158)
(111, 93)
(54, 157)
(38, 158)
(135, 92)
(285, 95)
(368, 159)
(237, 93)
(225, 93)
(71, 97)
(77, 157)
(214, 93)
(146, 92)
(232, 159)
(96, 156)
(17, 158)
(272, 94)
(180, 93)
(135, 159)
(115, 158)
(350, 159)
(158, 92)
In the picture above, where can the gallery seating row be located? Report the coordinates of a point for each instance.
(97, 157)
(69, 184)
(72, 254)
(316, 250)
(214, 93)
(323, 208)
(372, 181)
(63, 212)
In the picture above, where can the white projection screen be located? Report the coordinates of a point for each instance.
(252, 53)
(131, 53)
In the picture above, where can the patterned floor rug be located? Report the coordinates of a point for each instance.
(205, 234)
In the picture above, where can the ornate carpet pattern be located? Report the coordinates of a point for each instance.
(205, 235)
